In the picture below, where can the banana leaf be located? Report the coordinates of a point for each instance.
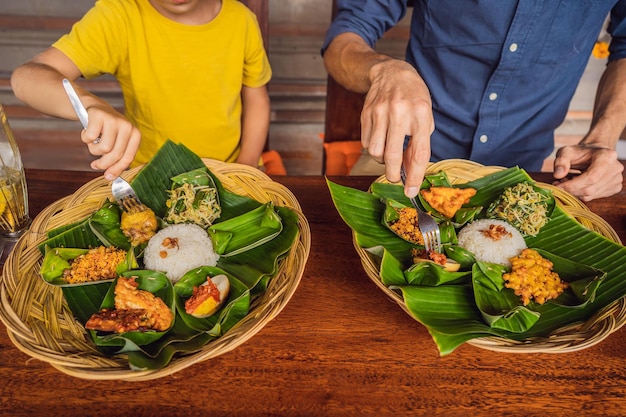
(449, 311)
(156, 283)
(105, 224)
(199, 177)
(235, 307)
(180, 340)
(246, 231)
(432, 274)
(85, 300)
(78, 236)
(499, 306)
(154, 180)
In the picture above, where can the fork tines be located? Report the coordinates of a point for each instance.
(131, 204)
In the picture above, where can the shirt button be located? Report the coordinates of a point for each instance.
(483, 138)
(493, 96)
(513, 47)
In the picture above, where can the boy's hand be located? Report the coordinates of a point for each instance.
(113, 138)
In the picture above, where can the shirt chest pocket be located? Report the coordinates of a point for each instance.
(573, 29)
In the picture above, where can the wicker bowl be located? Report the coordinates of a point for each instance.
(40, 323)
(569, 338)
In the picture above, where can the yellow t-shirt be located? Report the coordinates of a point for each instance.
(179, 82)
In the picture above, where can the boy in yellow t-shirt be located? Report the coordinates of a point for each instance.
(193, 71)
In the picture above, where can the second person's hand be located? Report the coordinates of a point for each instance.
(601, 171)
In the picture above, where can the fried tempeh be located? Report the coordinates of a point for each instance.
(447, 200)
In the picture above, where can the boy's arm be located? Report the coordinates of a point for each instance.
(255, 122)
(39, 83)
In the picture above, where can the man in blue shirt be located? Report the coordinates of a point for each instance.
(485, 80)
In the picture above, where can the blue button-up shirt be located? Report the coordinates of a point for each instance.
(501, 73)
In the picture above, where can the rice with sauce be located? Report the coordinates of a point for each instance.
(179, 248)
(490, 240)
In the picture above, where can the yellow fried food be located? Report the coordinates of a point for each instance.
(135, 310)
(406, 225)
(97, 264)
(447, 200)
(139, 226)
(128, 296)
(532, 278)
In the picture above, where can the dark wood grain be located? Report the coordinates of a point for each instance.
(339, 348)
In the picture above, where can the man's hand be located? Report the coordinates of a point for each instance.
(601, 171)
(398, 105)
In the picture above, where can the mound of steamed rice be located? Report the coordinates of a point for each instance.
(488, 249)
(179, 248)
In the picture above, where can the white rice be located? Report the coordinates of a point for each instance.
(487, 249)
(193, 248)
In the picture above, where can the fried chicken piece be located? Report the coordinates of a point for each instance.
(119, 321)
(447, 200)
(139, 226)
(128, 296)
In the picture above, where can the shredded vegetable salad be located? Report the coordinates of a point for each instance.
(193, 204)
(523, 207)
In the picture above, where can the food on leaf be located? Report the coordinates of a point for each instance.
(179, 248)
(406, 225)
(523, 206)
(447, 200)
(532, 278)
(139, 225)
(420, 255)
(190, 203)
(135, 310)
(207, 298)
(491, 240)
(97, 264)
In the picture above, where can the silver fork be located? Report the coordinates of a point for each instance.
(427, 225)
(126, 197)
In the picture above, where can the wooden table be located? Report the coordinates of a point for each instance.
(340, 347)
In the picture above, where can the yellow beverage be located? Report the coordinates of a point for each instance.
(13, 203)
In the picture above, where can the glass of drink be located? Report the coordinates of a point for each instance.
(14, 218)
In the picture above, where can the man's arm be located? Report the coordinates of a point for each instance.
(39, 83)
(596, 154)
(397, 104)
(255, 123)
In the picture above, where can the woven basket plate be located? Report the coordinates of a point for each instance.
(570, 338)
(40, 324)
